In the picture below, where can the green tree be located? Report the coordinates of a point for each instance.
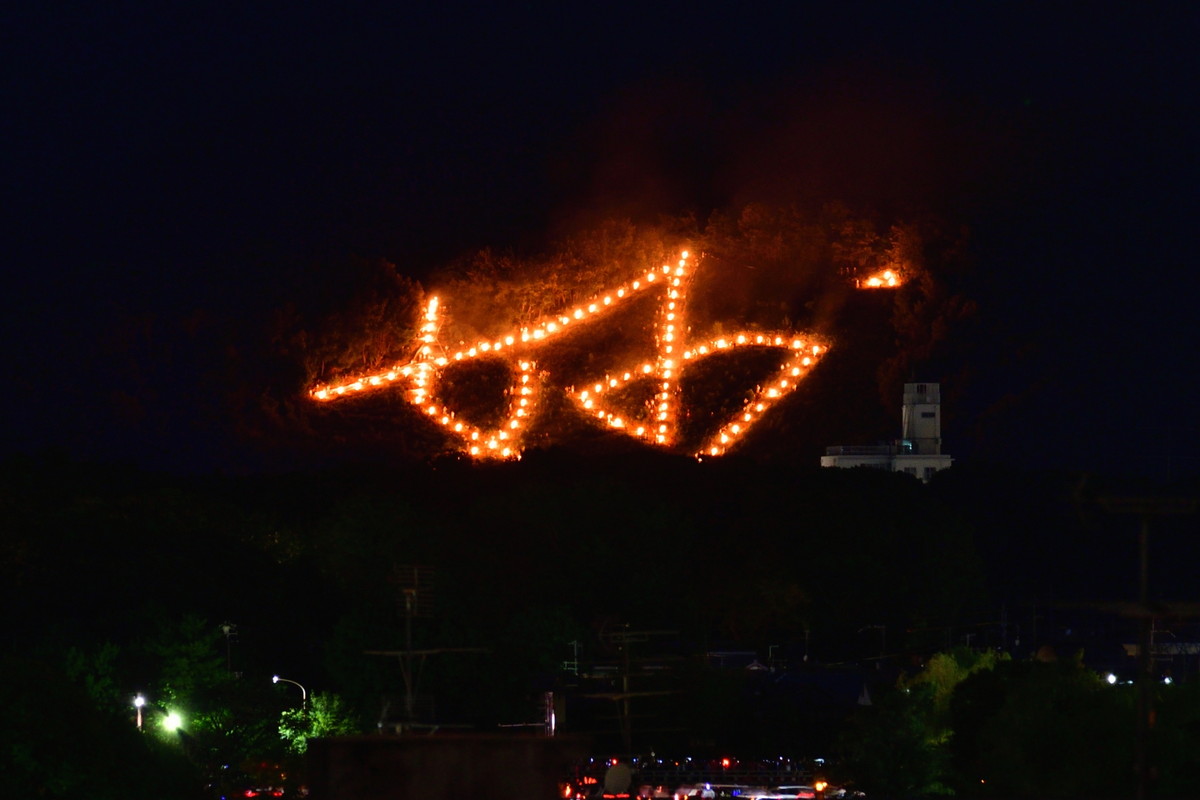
(898, 747)
(225, 719)
(189, 661)
(982, 725)
(326, 714)
(1053, 728)
(96, 671)
(886, 748)
(59, 742)
(1175, 747)
(1042, 728)
(942, 674)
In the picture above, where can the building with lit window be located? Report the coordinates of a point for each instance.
(918, 451)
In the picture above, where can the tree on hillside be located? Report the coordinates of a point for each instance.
(932, 308)
(886, 750)
(338, 320)
(489, 293)
(375, 326)
(1042, 728)
(761, 263)
(897, 747)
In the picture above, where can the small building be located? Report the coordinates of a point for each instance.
(918, 451)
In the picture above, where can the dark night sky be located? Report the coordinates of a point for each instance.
(176, 161)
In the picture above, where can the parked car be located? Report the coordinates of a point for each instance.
(718, 791)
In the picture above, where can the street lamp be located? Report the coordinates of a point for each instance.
(138, 702)
(303, 691)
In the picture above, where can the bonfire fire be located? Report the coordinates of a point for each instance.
(673, 351)
(888, 279)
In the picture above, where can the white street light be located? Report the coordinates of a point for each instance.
(303, 691)
(138, 702)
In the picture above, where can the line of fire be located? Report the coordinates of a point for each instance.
(654, 420)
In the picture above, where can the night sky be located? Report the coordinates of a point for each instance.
(171, 168)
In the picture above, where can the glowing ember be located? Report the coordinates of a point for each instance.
(670, 330)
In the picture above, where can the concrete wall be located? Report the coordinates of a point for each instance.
(454, 767)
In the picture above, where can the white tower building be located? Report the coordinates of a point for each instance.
(921, 418)
(919, 450)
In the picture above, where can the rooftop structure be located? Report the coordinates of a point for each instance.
(918, 451)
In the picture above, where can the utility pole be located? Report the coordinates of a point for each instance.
(626, 718)
(416, 595)
(410, 602)
(1146, 508)
(623, 639)
(415, 585)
